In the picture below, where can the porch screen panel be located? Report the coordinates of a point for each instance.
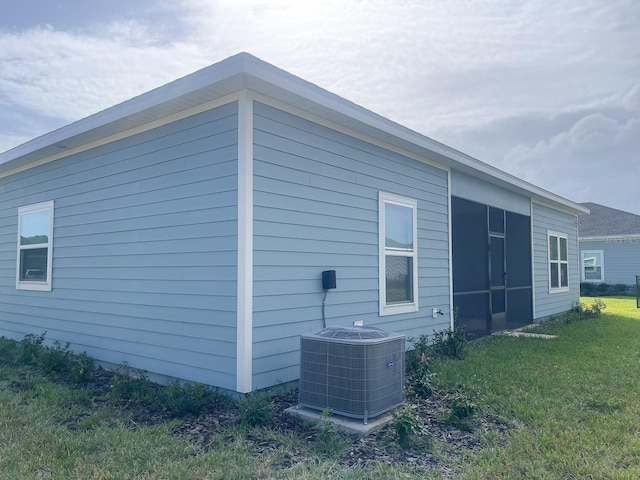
(470, 253)
(470, 246)
(473, 313)
(518, 265)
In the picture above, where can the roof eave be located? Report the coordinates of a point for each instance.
(244, 71)
(611, 238)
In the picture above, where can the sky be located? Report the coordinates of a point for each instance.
(546, 90)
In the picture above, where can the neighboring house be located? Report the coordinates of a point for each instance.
(185, 231)
(609, 246)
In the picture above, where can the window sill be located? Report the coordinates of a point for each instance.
(34, 286)
(398, 309)
(558, 290)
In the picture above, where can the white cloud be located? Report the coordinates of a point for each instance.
(595, 160)
(517, 84)
(67, 76)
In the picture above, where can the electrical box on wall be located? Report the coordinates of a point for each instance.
(328, 279)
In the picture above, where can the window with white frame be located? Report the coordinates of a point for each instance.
(593, 266)
(35, 247)
(398, 249)
(558, 262)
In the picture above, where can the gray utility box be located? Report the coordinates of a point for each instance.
(357, 372)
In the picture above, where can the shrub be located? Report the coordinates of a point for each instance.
(586, 289)
(328, 441)
(620, 289)
(451, 343)
(419, 367)
(604, 289)
(56, 358)
(134, 385)
(82, 368)
(255, 410)
(406, 424)
(583, 311)
(596, 308)
(462, 407)
(9, 351)
(31, 347)
(422, 378)
(188, 398)
(462, 411)
(420, 349)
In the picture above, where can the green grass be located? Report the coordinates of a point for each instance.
(573, 401)
(572, 405)
(51, 430)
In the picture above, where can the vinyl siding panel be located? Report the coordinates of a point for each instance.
(316, 208)
(621, 259)
(546, 219)
(144, 259)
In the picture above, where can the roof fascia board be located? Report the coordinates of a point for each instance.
(570, 208)
(610, 238)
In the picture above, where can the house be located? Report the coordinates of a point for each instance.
(185, 231)
(609, 246)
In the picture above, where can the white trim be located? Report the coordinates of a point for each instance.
(125, 134)
(579, 266)
(533, 263)
(635, 238)
(244, 346)
(560, 207)
(559, 288)
(36, 285)
(451, 306)
(347, 131)
(582, 272)
(394, 309)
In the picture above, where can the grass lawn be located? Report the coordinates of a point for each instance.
(572, 403)
(574, 400)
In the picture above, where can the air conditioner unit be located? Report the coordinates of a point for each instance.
(357, 372)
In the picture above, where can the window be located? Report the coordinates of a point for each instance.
(398, 269)
(558, 263)
(35, 246)
(593, 266)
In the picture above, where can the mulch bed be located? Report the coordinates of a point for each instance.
(380, 446)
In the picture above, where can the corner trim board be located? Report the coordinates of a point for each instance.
(244, 340)
(450, 240)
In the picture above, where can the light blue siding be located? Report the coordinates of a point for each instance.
(544, 220)
(470, 188)
(145, 250)
(316, 208)
(621, 259)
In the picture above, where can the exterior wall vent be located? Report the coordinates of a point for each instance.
(357, 372)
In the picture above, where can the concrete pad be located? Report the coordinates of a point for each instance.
(527, 334)
(352, 426)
